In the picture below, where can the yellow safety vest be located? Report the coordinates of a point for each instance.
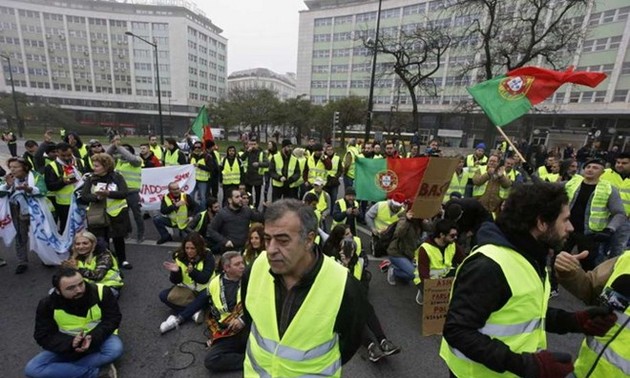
(458, 184)
(384, 217)
(279, 163)
(315, 170)
(231, 174)
(335, 164)
(343, 207)
(215, 290)
(599, 214)
(479, 190)
(358, 267)
(171, 157)
(615, 361)
(623, 185)
(112, 277)
(261, 170)
(512, 175)
(552, 177)
(64, 195)
(519, 324)
(73, 325)
(187, 280)
(203, 214)
(200, 174)
(300, 180)
(157, 151)
(113, 207)
(470, 163)
(322, 205)
(354, 153)
(82, 151)
(439, 265)
(132, 175)
(310, 345)
(179, 217)
(542, 172)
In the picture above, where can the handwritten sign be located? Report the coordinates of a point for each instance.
(435, 183)
(435, 305)
(155, 183)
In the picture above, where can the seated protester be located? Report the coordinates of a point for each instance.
(255, 243)
(190, 272)
(438, 256)
(228, 335)
(77, 325)
(323, 201)
(407, 237)
(346, 210)
(200, 222)
(95, 263)
(331, 247)
(177, 209)
(229, 228)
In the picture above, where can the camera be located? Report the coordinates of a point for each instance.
(613, 300)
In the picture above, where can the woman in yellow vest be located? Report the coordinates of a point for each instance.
(95, 263)
(190, 271)
(108, 188)
(255, 243)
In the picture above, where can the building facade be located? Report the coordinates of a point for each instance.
(75, 54)
(333, 63)
(263, 78)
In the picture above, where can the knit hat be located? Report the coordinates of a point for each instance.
(286, 142)
(481, 146)
(596, 161)
(350, 190)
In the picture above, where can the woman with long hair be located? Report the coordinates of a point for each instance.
(190, 271)
(94, 262)
(255, 243)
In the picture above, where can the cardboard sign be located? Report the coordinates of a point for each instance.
(434, 185)
(435, 305)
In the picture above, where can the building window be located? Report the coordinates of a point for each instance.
(620, 95)
(321, 37)
(390, 13)
(414, 9)
(323, 21)
(343, 20)
(321, 53)
(600, 96)
(363, 17)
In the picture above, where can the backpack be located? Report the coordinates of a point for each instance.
(380, 244)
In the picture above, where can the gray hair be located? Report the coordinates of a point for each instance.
(226, 257)
(307, 216)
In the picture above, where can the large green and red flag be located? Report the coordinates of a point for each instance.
(201, 125)
(378, 179)
(510, 96)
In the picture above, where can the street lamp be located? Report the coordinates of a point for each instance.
(368, 122)
(157, 74)
(20, 123)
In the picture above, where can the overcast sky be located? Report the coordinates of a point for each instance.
(260, 33)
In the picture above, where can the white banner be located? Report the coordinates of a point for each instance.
(7, 230)
(155, 183)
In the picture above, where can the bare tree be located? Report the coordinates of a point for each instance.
(413, 55)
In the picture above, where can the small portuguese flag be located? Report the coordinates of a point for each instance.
(508, 97)
(378, 179)
(201, 123)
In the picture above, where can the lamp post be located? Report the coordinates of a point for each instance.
(368, 122)
(157, 74)
(20, 123)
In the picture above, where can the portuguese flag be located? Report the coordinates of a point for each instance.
(378, 179)
(508, 97)
(201, 125)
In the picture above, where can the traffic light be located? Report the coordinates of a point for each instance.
(336, 118)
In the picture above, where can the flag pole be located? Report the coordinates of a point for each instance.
(511, 144)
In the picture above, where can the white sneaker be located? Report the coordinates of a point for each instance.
(170, 323)
(419, 297)
(198, 317)
(391, 279)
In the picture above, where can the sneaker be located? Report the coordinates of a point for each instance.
(375, 354)
(554, 293)
(126, 265)
(198, 317)
(384, 265)
(164, 240)
(391, 279)
(171, 322)
(3, 262)
(419, 297)
(388, 348)
(108, 371)
(21, 268)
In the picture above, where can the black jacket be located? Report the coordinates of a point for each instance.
(351, 317)
(190, 203)
(232, 225)
(251, 175)
(480, 289)
(47, 332)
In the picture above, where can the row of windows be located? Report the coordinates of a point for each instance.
(419, 8)
(205, 38)
(601, 44)
(613, 15)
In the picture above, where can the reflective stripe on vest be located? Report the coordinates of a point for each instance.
(615, 361)
(187, 280)
(203, 214)
(214, 291)
(200, 174)
(64, 195)
(479, 190)
(343, 207)
(384, 217)
(439, 265)
(171, 157)
(131, 174)
(231, 174)
(73, 325)
(315, 170)
(598, 215)
(458, 184)
(309, 347)
(112, 276)
(623, 185)
(519, 324)
(180, 216)
(279, 166)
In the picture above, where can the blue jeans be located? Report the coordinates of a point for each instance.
(51, 365)
(186, 312)
(161, 222)
(201, 188)
(403, 268)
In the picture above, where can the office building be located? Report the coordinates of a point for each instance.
(262, 78)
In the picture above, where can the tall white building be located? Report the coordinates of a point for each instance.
(263, 78)
(75, 53)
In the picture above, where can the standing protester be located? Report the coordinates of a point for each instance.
(349, 159)
(77, 325)
(254, 164)
(333, 174)
(228, 229)
(272, 150)
(319, 307)
(473, 162)
(284, 171)
(130, 167)
(94, 147)
(29, 155)
(172, 154)
(619, 177)
(228, 335)
(214, 159)
(109, 189)
(21, 182)
(458, 181)
(323, 200)
(45, 153)
(63, 177)
(317, 165)
(346, 210)
(157, 150)
(176, 211)
(199, 159)
(11, 140)
(149, 160)
(231, 173)
(498, 315)
(488, 182)
(78, 147)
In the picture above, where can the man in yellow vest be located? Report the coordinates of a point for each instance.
(545, 169)
(458, 181)
(346, 210)
(254, 164)
(157, 150)
(333, 174)
(608, 284)
(317, 166)
(473, 162)
(77, 325)
(63, 177)
(619, 177)
(172, 154)
(352, 152)
(130, 167)
(285, 173)
(488, 181)
(176, 211)
(199, 159)
(231, 173)
(228, 334)
(498, 314)
(385, 213)
(314, 324)
(323, 200)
